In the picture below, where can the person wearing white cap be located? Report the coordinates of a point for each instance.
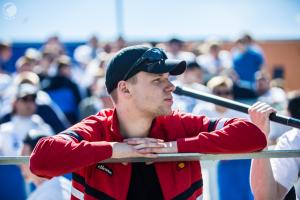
(13, 132)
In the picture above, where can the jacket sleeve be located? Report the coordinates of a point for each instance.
(226, 136)
(68, 151)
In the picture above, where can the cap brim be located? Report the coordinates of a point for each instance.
(26, 90)
(174, 67)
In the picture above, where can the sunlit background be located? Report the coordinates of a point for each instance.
(33, 20)
(62, 48)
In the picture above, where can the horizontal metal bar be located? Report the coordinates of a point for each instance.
(179, 157)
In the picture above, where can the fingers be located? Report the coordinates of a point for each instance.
(149, 145)
(260, 107)
(259, 115)
(150, 148)
(136, 141)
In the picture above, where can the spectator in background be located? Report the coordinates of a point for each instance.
(230, 177)
(63, 91)
(57, 188)
(214, 60)
(98, 100)
(119, 44)
(23, 119)
(5, 55)
(24, 64)
(34, 56)
(246, 61)
(5, 82)
(250, 42)
(54, 47)
(274, 96)
(273, 178)
(45, 67)
(175, 51)
(240, 92)
(87, 52)
(46, 108)
(90, 57)
(191, 78)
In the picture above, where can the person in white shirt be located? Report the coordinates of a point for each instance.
(274, 96)
(273, 178)
(191, 78)
(175, 51)
(214, 59)
(23, 120)
(57, 188)
(228, 179)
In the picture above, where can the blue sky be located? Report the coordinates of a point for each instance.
(73, 20)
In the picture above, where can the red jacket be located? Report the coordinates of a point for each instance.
(89, 145)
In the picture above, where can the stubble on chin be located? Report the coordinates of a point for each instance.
(163, 111)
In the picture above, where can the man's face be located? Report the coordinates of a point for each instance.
(26, 106)
(193, 76)
(26, 151)
(174, 47)
(262, 85)
(152, 93)
(6, 54)
(27, 67)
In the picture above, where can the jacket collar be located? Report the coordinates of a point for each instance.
(115, 127)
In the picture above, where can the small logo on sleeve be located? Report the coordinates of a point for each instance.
(104, 168)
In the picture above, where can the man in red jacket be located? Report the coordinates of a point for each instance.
(142, 124)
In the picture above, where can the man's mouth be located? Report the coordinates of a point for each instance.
(169, 100)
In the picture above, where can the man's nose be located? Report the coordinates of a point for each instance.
(170, 87)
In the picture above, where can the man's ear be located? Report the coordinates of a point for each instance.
(123, 88)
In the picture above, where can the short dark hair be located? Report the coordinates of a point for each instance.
(176, 41)
(193, 65)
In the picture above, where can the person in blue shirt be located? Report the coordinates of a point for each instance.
(247, 59)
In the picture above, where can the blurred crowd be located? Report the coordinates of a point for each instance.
(51, 89)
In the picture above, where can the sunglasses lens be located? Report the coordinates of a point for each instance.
(154, 55)
(223, 93)
(149, 59)
(29, 98)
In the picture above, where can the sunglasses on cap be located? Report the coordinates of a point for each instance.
(149, 59)
(28, 98)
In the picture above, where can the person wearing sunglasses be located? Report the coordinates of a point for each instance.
(221, 184)
(23, 119)
(142, 124)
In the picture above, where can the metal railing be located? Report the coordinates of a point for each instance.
(178, 157)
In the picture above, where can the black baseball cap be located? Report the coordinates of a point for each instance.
(131, 60)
